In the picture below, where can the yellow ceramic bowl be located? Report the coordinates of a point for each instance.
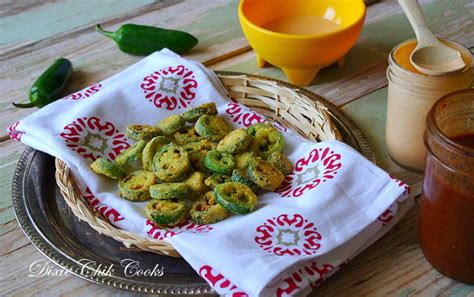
(301, 56)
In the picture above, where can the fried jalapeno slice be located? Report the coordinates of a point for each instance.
(252, 129)
(165, 212)
(236, 197)
(241, 176)
(265, 175)
(234, 142)
(107, 168)
(128, 158)
(136, 185)
(212, 127)
(151, 148)
(219, 161)
(207, 210)
(192, 115)
(196, 184)
(142, 132)
(186, 135)
(242, 160)
(217, 179)
(265, 140)
(171, 163)
(202, 146)
(281, 162)
(171, 124)
(197, 152)
(168, 191)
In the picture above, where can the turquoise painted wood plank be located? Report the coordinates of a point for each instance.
(370, 113)
(43, 21)
(216, 26)
(462, 290)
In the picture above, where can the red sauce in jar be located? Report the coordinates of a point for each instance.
(464, 139)
(447, 218)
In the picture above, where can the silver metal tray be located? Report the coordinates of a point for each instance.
(50, 225)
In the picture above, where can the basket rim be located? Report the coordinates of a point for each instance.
(84, 211)
(336, 114)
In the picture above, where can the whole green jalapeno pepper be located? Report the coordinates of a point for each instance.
(143, 40)
(49, 85)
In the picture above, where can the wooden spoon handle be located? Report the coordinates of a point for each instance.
(417, 20)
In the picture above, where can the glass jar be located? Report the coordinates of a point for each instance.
(410, 96)
(446, 231)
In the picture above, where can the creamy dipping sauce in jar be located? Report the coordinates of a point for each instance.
(410, 96)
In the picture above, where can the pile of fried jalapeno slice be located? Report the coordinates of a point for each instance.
(196, 165)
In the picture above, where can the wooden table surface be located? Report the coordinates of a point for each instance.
(33, 33)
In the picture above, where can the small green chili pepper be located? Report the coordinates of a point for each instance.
(144, 40)
(49, 85)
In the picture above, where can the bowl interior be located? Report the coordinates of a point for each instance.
(314, 17)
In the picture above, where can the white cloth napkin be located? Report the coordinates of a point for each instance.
(334, 205)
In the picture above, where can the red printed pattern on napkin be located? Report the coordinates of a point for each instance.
(290, 235)
(110, 213)
(320, 165)
(245, 117)
(402, 184)
(170, 88)
(242, 115)
(93, 138)
(14, 133)
(85, 93)
(312, 274)
(219, 282)
(387, 216)
(168, 232)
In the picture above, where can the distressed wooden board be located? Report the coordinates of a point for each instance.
(25, 23)
(17, 283)
(91, 54)
(95, 57)
(13, 241)
(366, 63)
(393, 266)
(10, 152)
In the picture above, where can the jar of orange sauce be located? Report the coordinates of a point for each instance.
(410, 96)
(446, 231)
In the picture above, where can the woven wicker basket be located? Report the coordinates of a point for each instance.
(275, 100)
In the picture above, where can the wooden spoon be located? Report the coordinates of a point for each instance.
(430, 56)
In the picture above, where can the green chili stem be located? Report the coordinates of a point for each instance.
(99, 29)
(23, 105)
